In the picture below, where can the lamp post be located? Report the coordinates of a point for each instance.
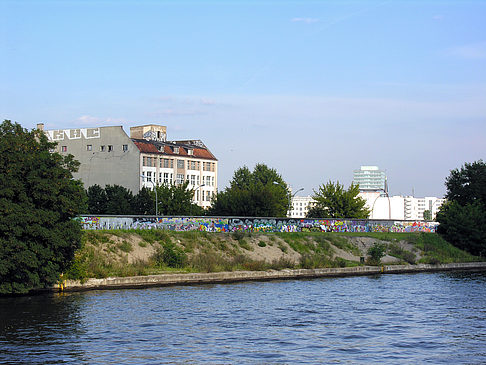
(197, 187)
(155, 189)
(290, 200)
(389, 205)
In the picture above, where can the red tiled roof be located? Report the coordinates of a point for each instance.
(149, 147)
(146, 147)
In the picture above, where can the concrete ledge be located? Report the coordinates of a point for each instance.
(234, 276)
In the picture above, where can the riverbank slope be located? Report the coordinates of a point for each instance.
(132, 253)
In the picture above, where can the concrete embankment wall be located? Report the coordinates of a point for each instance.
(234, 276)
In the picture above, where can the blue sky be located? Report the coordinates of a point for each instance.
(312, 88)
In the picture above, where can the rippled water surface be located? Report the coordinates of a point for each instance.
(435, 318)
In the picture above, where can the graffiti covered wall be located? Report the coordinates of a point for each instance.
(215, 224)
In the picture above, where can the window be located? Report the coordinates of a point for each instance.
(176, 149)
(190, 151)
(64, 148)
(102, 148)
(149, 175)
(180, 164)
(191, 165)
(149, 161)
(110, 148)
(212, 180)
(166, 178)
(193, 180)
(180, 179)
(125, 148)
(167, 163)
(160, 178)
(208, 196)
(89, 147)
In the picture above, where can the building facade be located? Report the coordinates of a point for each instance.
(381, 207)
(400, 207)
(370, 178)
(108, 156)
(300, 206)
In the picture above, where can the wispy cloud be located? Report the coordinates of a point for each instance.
(305, 20)
(475, 51)
(90, 120)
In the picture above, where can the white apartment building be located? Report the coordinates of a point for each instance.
(400, 207)
(300, 206)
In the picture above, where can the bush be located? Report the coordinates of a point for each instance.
(376, 252)
(171, 256)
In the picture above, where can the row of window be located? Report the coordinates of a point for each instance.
(181, 164)
(167, 178)
(103, 148)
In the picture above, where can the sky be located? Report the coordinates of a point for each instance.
(314, 89)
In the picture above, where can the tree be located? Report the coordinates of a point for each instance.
(463, 217)
(96, 200)
(119, 200)
(261, 193)
(176, 199)
(468, 184)
(427, 215)
(144, 202)
(38, 201)
(333, 201)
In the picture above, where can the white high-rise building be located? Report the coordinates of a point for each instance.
(370, 178)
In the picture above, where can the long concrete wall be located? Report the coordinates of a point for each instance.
(232, 224)
(235, 276)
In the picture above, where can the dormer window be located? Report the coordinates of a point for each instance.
(190, 151)
(176, 149)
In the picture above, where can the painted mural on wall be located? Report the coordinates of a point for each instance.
(214, 224)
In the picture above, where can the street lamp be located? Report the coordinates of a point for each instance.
(389, 204)
(290, 200)
(199, 186)
(156, 200)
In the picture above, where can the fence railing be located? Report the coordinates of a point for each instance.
(232, 224)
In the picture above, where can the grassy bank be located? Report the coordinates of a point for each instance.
(108, 253)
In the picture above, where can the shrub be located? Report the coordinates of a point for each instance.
(376, 252)
(171, 256)
(125, 246)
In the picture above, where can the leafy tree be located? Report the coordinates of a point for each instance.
(427, 215)
(144, 202)
(333, 201)
(463, 218)
(261, 193)
(118, 200)
(38, 201)
(176, 199)
(96, 200)
(467, 184)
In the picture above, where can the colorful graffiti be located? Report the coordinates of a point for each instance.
(214, 224)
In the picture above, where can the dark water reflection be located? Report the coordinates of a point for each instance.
(436, 318)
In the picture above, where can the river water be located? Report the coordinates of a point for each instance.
(408, 318)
